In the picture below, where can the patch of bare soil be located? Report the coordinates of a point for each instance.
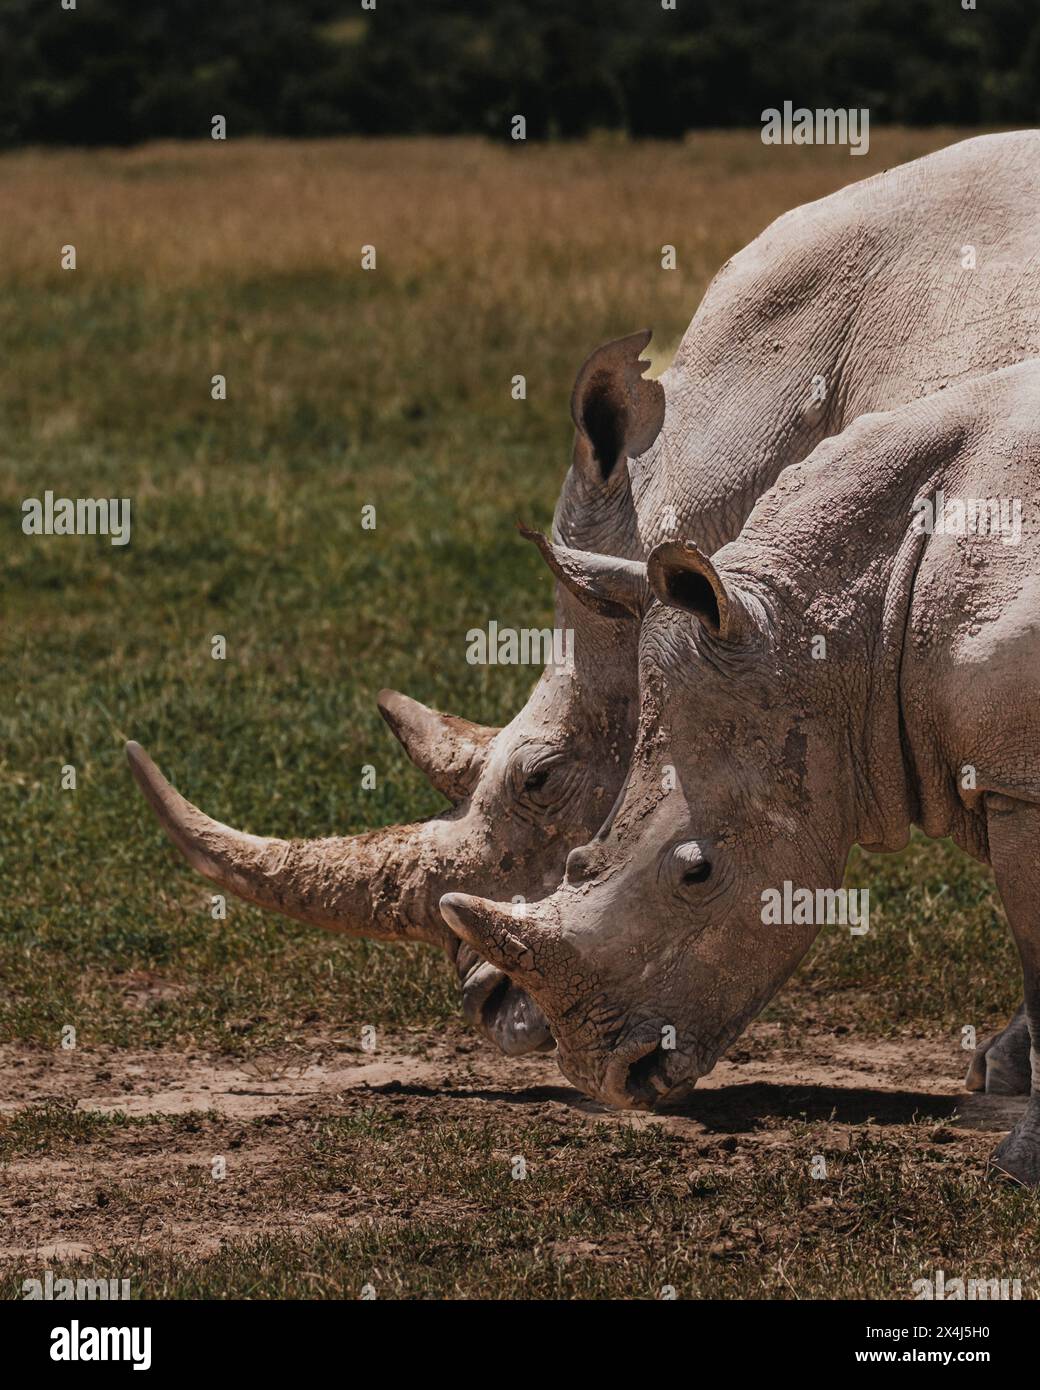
(152, 1185)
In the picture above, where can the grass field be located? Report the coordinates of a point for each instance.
(388, 387)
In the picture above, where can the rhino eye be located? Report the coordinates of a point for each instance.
(689, 865)
(539, 777)
(699, 873)
(535, 781)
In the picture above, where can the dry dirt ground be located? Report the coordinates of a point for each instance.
(146, 1181)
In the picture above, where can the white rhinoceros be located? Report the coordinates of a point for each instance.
(865, 656)
(857, 302)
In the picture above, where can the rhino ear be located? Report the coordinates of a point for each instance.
(617, 411)
(449, 751)
(612, 587)
(683, 577)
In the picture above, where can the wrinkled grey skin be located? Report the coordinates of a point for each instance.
(861, 293)
(758, 763)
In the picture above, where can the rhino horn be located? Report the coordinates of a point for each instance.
(450, 752)
(355, 885)
(515, 944)
(610, 586)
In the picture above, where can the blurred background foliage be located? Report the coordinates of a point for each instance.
(117, 71)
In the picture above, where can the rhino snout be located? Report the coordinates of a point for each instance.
(645, 1074)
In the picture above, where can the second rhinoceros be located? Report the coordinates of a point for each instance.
(863, 658)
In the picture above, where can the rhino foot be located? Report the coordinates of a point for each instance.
(1018, 1156)
(1000, 1066)
(499, 1009)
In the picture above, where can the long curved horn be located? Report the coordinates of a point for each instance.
(362, 885)
(449, 751)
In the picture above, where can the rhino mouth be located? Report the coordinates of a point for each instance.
(503, 1012)
(645, 1074)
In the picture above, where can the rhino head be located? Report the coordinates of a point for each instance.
(521, 796)
(656, 951)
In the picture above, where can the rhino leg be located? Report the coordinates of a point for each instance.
(1014, 842)
(1000, 1065)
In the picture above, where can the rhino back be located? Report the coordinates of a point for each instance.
(863, 299)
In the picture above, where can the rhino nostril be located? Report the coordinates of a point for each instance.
(635, 1075)
(579, 865)
(646, 1082)
(646, 1071)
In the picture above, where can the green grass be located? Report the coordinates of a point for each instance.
(938, 953)
(601, 1213)
(53, 1128)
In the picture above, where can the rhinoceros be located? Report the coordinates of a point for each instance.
(863, 658)
(857, 302)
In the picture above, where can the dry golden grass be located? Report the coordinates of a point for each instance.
(491, 259)
(176, 214)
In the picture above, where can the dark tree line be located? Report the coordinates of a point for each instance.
(119, 71)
